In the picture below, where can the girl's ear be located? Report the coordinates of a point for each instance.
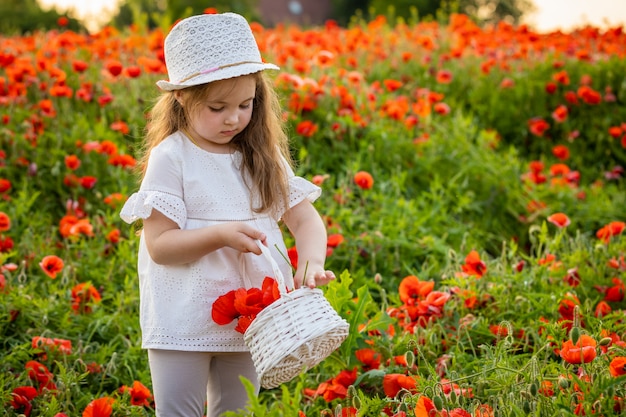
(179, 97)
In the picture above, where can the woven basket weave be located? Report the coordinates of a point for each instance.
(294, 333)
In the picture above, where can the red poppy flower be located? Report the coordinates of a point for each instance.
(392, 85)
(369, 358)
(83, 295)
(292, 254)
(248, 302)
(101, 407)
(448, 387)
(120, 126)
(584, 351)
(364, 180)
(561, 77)
(270, 291)
(224, 311)
(444, 77)
(572, 278)
(612, 229)
(602, 309)
(559, 220)
(71, 226)
(51, 265)
(550, 88)
(5, 222)
(6, 244)
(567, 306)
(560, 114)
(616, 132)
(72, 162)
(5, 185)
(336, 387)
(441, 108)
(79, 66)
(88, 181)
(561, 152)
(617, 367)
(39, 373)
(499, 330)
(538, 126)
(114, 236)
(114, 200)
(114, 67)
(132, 71)
(140, 395)
(589, 95)
(614, 293)
(21, 398)
(61, 345)
(334, 240)
(507, 83)
(122, 160)
(393, 383)
(306, 128)
(411, 289)
(243, 322)
(474, 265)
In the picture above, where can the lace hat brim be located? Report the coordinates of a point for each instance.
(216, 75)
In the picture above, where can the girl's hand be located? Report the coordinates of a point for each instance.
(315, 276)
(241, 237)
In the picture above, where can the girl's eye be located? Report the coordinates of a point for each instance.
(246, 106)
(214, 109)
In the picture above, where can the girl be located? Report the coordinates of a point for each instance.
(216, 177)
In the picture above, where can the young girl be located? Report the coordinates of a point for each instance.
(217, 177)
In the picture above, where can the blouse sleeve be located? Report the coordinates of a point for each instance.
(301, 189)
(160, 189)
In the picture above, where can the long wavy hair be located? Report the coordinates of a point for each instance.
(263, 143)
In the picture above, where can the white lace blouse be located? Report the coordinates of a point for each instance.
(196, 188)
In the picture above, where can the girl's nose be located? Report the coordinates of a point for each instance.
(231, 118)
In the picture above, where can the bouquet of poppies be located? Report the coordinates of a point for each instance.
(244, 304)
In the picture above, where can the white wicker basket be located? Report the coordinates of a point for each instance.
(294, 333)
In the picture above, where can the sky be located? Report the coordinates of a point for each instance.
(549, 15)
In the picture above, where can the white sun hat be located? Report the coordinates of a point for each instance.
(210, 47)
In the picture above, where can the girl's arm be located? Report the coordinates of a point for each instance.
(309, 231)
(169, 245)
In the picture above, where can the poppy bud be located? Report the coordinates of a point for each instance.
(605, 341)
(533, 389)
(409, 356)
(575, 334)
(438, 402)
(453, 396)
(563, 382)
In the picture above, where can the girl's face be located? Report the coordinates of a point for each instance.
(224, 113)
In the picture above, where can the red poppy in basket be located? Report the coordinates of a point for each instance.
(244, 304)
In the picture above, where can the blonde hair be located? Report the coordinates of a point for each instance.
(263, 143)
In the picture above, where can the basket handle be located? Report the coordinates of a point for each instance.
(265, 251)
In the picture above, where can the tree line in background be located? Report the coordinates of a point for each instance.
(25, 16)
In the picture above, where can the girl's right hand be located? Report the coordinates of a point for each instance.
(241, 237)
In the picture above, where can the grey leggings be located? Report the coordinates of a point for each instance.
(183, 382)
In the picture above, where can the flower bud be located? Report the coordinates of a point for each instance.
(438, 402)
(575, 334)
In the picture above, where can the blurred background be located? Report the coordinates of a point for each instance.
(543, 16)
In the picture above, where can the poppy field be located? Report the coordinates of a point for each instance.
(473, 188)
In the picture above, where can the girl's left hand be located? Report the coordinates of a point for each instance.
(314, 277)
